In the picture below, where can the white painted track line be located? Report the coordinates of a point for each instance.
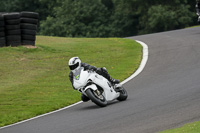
(42, 115)
(138, 71)
(142, 64)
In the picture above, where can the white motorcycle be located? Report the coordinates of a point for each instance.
(97, 88)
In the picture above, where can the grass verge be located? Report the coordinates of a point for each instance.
(187, 128)
(193, 26)
(35, 81)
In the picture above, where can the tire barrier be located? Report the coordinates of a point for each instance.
(29, 21)
(2, 31)
(12, 23)
(18, 28)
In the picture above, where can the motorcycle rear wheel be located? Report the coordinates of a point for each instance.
(98, 101)
(123, 94)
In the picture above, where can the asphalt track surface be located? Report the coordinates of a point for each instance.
(166, 94)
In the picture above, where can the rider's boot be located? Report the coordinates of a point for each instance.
(113, 81)
(84, 98)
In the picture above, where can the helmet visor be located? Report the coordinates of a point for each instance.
(72, 67)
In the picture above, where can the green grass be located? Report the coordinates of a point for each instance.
(188, 128)
(193, 26)
(35, 81)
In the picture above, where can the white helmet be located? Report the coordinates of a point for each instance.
(74, 64)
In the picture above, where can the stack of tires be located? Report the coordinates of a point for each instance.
(2, 32)
(12, 29)
(18, 28)
(29, 21)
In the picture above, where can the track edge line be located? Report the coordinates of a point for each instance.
(137, 72)
(142, 64)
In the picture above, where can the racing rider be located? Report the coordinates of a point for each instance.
(75, 63)
(198, 9)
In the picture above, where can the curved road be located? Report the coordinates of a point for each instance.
(165, 95)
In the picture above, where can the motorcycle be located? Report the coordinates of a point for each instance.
(97, 88)
(198, 18)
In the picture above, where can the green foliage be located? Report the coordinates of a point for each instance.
(124, 18)
(43, 7)
(106, 18)
(161, 18)
(78, 18)
(187, 128)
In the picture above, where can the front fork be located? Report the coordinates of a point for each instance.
(98, 94)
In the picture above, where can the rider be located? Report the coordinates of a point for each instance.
(198, 9)
(75, 63)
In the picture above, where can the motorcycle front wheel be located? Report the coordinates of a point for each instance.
(96, 98)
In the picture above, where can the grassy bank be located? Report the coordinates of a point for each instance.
(187, 128)
(35, 81)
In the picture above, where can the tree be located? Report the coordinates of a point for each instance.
(169, 15)
(106, 18)
(124, 18)
(18, 5)
(43, 7)
(77, 18)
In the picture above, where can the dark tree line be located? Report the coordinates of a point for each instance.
(106, 18)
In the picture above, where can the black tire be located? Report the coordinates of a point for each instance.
(2, 41)
(1, 17)
(14, 43)
(13, 32)
(28, 26)
(11, 16)
(28, 42)
(2, 34)
(93, 98)
(12, 27)
(28, 32)
(2, 44)
(123, 94)
(29, 20)
(30, 14)
(28, 37)
(2, 23)
(13, 38)
(12, 22)
(2, 29)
